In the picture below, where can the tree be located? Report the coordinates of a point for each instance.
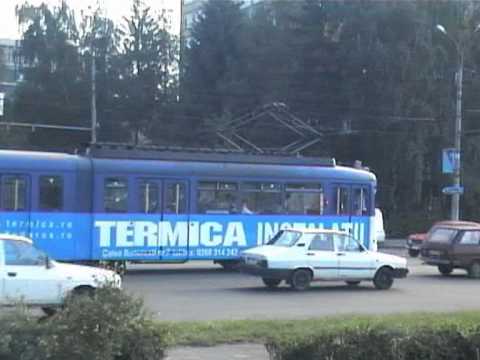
(214, 61)
(52, 92)
(145, 72)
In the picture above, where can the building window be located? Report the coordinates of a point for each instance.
(116, 195)
(14, 193)
(262, 198)
(217, 197)
(304, 199)
(51, 193)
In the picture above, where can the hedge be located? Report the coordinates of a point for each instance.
(450, 342)
(109, 325)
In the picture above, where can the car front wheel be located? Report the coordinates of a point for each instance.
(474, 270)
(49, 311)
(383, 279)
(445, 269)
(271, 283)
(301, 279)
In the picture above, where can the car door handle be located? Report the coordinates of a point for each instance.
(310, 254)
(12, 274)
(340, 254)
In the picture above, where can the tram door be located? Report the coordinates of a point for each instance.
(352, 206)
(15, 204)
(175, 230)
(165, 201)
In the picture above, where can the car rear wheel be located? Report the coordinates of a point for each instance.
(445, 269)
(352, 283)
(474, 270)
(413, 252)
(301, 279)
(271, 283)
(383, 279)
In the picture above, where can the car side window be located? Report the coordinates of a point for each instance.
(322, 243)
(346, 243)
(20, 253)
(470, 238)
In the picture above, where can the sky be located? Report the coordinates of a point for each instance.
(115, 9)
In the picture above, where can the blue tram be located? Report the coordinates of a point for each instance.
(133, 205)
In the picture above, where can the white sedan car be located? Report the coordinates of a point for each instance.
(29, 276)
(302, 256)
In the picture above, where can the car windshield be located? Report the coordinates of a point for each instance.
(442, 235)
(285, 238)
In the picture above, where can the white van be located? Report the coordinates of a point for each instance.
(379, 229)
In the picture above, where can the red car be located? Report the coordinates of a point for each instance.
(414, 243)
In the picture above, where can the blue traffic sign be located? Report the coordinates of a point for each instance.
(450, 160)
(450, 190)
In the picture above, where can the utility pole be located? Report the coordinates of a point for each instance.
(455, 214)
(460, 50)
(93, 108)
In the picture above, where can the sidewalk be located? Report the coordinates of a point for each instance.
(219, 352)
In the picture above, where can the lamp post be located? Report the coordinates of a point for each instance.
(459, 47)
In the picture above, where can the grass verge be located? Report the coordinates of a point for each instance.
(260, 331)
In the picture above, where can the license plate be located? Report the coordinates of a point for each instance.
(435, 252)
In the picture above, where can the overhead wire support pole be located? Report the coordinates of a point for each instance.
(455, 215)
(94, 100)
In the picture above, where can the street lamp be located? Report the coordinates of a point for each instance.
(460, 49)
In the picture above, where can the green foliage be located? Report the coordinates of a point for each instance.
(285, 331)
(446, 342)
(109, 325)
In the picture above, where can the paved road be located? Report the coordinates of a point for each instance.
(203, 291)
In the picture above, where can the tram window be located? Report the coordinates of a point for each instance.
(14, 189)
(51, 193)
(175, 198)
(341, 201)
(360, 201)
(305, 199)
(116, 195)
(217, 197)
(263, 198)
(149, 197)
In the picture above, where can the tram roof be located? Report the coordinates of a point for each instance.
(185, 164)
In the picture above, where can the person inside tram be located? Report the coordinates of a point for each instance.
(245, 209)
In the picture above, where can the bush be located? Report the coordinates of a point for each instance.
(378, 343)
(109, 325)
